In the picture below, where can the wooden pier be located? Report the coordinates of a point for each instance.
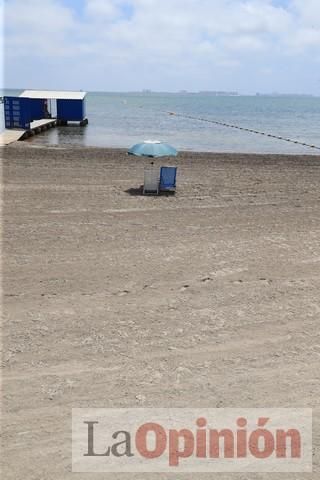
(9, 136)
(37, 104)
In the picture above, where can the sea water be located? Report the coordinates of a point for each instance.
(123, 119)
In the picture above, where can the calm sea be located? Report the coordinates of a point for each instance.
(122, 119)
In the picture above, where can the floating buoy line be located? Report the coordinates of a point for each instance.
(237, 127)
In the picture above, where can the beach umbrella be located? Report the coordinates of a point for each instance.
(153, 148)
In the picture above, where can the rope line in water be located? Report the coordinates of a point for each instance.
(257, 132)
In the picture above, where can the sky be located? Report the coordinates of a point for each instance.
(164, 45)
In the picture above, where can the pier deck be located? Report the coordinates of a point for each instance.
(42, 123)
(13, 135)
(9, 136)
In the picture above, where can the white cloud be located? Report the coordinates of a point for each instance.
(307, 12)
(171, 38)
(102, 11)
(37, 16)
(41, 28)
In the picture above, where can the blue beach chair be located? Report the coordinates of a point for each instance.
(168, 177)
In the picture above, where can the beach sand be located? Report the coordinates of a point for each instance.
(209, 298)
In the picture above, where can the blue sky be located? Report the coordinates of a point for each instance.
(79, 6)
(163, 45)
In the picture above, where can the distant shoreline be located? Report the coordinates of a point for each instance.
(185, 92)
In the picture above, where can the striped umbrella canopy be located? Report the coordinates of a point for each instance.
(153, 148)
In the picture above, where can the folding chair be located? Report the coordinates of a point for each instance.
(168, 177)
(151, 180)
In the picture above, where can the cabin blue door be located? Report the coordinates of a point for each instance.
(38, 108)
(17, 112)
(70, 110)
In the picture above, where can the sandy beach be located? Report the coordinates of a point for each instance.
(209, 298)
